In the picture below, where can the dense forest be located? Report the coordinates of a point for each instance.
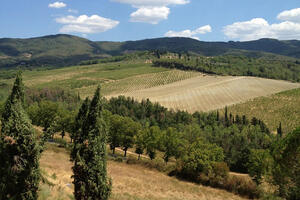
(66, 50)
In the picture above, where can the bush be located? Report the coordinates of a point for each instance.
(242, 186)
(157, 164)
(219, 174)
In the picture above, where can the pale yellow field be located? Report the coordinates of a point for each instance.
(130, 182)
(139, 82)
(206, 93)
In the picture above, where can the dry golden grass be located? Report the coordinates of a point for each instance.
(130, 182)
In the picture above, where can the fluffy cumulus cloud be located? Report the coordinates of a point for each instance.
(151, 11)
(190, 33)
(290, 15)
(258, 28)
(151, 15)
(85, 24)
(57, 5)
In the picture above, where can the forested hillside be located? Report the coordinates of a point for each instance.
(63, 50)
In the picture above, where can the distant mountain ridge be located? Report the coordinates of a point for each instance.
(63, 50)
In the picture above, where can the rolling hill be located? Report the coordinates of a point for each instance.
(64, 50)
(207, 93)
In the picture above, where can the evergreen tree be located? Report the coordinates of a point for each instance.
(76, 135)
(279, 130)
(90, 174)
(19, 149)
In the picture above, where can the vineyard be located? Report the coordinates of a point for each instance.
(205, 93)
(136, 83)
(283, 107)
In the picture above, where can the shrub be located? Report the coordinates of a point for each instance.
(219, 174)
(242, 186)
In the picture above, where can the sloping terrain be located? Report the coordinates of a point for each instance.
(65, 50)
(205, 93)
(129, 182)
(283, 107)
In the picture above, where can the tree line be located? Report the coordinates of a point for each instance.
(273, 68)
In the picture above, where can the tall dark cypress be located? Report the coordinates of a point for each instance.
(77, 135)
(90, 173)
(279, 130)
(19, 149)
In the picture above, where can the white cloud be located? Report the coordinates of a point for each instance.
(249, 30)
(151, 11)
(57, 5)
(189, 33)
(85, 24)
(151, 15)
(72, 11)
(290, 15)
(203, 29)
(153, 3)
(259, 28)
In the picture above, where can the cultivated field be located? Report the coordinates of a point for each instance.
(130, 182)
(205, 93)
(115, 78)
(283, 107)
(135, 83)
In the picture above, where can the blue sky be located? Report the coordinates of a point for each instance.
(120, 20)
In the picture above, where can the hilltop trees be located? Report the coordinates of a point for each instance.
(19, 149)
(90, 173)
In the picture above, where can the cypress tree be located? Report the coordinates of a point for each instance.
(279, 130)
(90, 173)
(19, 149)
(77, 135)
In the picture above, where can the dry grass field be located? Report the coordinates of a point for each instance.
(206, 93)
(130, 182)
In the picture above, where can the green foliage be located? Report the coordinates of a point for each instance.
(115, 132)
(90, 174)
(130, 129)
(237, 66)
(122, 132)
(44, 113)
(63, 50)
(260, 164)
(286, 172)
(19, 149)
(173, 144)
(235, 135)
(200, 158)
(152, 138)
(139, 143)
